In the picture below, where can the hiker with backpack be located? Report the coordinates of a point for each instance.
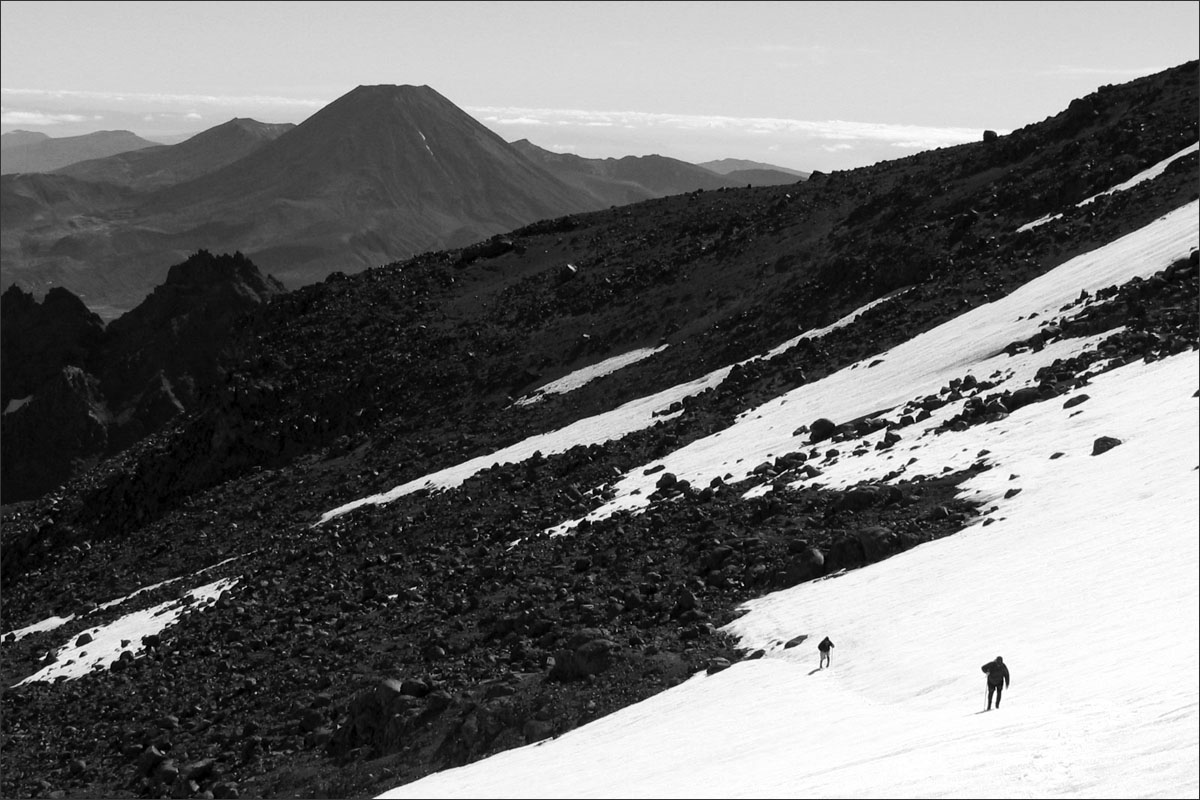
(823, 647)
(997, 680)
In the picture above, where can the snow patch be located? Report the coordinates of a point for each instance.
(16, 404)
(105, 643)
(51, 623)
(584, 376)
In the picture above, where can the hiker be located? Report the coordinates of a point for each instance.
(824, 648)
(997, 679)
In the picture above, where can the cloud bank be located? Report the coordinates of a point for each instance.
(40, 119)
(838, 130)
(799, 144)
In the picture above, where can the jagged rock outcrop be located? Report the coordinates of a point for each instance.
(61, 430)
(38, 339)
(75, 391)
(177, 333)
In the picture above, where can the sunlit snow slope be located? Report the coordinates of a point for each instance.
(1085, 581)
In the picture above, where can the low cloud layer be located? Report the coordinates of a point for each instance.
(71, 112)
(839, 130)
(40, 119)
(801, 144)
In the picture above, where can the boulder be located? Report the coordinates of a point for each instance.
(1023, 397)
(716, 665)
(859, 499)
(808, 564)
(821, 430)
(591, 657)
(878, 542)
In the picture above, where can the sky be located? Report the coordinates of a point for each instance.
(804, 85)
(1086, 581)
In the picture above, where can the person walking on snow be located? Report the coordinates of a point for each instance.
(997, 680)
(824, 648)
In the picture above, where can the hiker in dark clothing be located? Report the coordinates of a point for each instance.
(997, 679)
(824, 648)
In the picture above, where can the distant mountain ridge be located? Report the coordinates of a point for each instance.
(20, 138)
(383, 172)
(166, 165)
(619, 181)
(725, 166)
(761, 177)
(30, 153)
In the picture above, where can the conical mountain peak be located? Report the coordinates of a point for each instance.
(376, 155)
(390, 89)
(384, 98)
(374, 108)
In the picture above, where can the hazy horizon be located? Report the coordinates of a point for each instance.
(801, 85)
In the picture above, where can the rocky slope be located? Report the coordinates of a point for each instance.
(346, 657)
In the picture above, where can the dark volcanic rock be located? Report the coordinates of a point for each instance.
(80, 392)
(60, 431)
(174, 338)
(821, 430)
(38, 339)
